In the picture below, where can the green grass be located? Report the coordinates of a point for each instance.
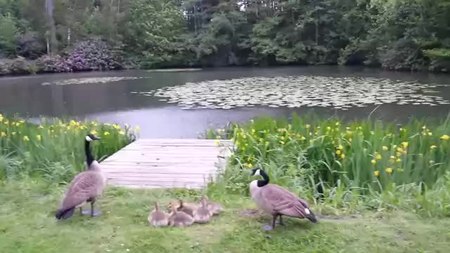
(27, 225)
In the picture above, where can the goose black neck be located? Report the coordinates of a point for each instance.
(265, 179)
(88, 152)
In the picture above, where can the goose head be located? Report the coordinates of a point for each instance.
(91, 137)
(259, 183)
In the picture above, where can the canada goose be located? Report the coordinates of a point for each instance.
(215, 208)
(85, 187)
(158, 218)
(203, 213)
(277, 201)
(92, 164)
(184, 207)
(179, 218)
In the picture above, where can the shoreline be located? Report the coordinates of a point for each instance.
(194, 69)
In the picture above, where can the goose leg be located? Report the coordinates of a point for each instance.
(267, 227)
(93, 212)
(81, 210)
(281, 221)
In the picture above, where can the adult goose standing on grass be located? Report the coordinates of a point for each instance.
(277, 201)
(85, 187)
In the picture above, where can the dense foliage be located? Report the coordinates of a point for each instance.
(53, 150)
(347, 163)
(393, 34)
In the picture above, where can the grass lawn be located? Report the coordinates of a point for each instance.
(27, 224)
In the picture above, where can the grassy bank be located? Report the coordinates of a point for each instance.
(403, 210)
(53, 151)
(351, 166)
(27, 225)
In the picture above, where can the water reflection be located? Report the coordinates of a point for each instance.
(114, 102)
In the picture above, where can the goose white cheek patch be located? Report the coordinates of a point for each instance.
(257, 173)
(88, 138)
(307, 211)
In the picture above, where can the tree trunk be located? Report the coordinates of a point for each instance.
(49, 7)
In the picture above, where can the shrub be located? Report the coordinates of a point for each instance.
(404, 54)
(21, 66)
(93, 55)
(30, 46)
(52, 64)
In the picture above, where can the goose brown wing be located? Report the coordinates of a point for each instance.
(283, 201)
(83, 186)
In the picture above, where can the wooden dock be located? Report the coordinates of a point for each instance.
(167, 163)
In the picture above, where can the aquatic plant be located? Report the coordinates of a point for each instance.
(298, 91)
(53, 149)
(327, 157)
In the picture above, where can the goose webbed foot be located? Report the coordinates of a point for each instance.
(267, 227)
(92, 213)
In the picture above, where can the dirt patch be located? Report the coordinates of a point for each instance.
(252, 213)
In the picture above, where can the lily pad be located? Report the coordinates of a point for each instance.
(298, 91)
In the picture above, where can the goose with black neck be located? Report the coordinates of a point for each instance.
(277, 201)
(85, 187)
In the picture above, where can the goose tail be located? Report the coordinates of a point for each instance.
(64, 213)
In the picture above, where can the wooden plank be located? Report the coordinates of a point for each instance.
(167, 163)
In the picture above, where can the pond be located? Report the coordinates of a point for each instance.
(183, 104)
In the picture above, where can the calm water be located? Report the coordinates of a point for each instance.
(115, 102)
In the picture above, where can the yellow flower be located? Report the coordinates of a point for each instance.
(340, 147)
(282, 142)
(405, 144)
(433, 147)
(392, 157)
(376, 173)
(2, 134)
(1, 117)
(398, 154)
(388, 170)
(445, 137)
(25, 138)
(94, 132)
(338, 152)
(328, 128)
(13, 133)
(121, 132)
(106, 133)
(430, 133)
(343, 156)
(38, 137)
(41, 127)
(378, 156)
(303, 138)
(307, 126)
(398, 160)
(115, 126)
(253, 131)
(385, 148)
(399, 149)
(373, 161)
